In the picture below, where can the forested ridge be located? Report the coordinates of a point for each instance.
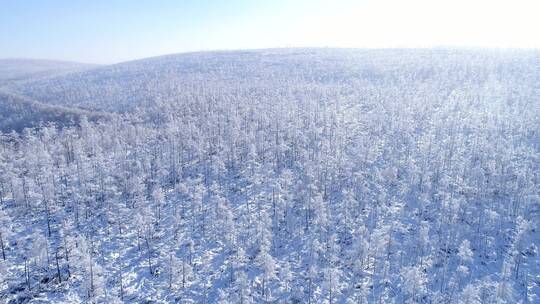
(281, 176)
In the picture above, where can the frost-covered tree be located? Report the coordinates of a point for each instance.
(414, 282)
(469, 295)
(5, 231)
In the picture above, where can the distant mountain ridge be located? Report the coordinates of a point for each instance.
(17, 69)
(125, 86)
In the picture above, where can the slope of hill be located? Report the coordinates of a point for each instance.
(174, 78)
(18, 112)
(280, 176)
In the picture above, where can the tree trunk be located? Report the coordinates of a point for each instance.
(26, 273)
(48, 219)
(121, 285)
(149, 255)
(171, 272)
(67, 256)
(58, 268)
(91, 290)
(3, 248)
(183, 275)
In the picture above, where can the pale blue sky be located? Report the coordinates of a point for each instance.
(107, 31)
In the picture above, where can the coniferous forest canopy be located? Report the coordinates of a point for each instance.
(273, 176)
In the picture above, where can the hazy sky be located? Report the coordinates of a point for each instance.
(106, 31)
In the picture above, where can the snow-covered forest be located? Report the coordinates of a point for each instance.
(278, 176)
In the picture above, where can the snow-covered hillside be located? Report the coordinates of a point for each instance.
(18, 111)
(169, 79)
(280, 176)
